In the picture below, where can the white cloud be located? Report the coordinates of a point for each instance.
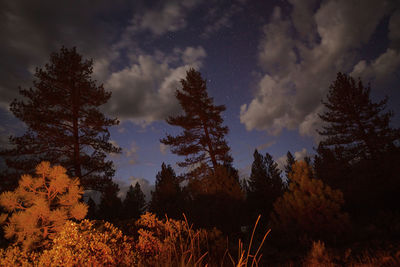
(384, 66)
(163, 148)
(298, 72)
(381, 68)
(145, 91)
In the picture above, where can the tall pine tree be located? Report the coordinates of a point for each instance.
(355, 123)
(134, 203)
(358, 153)
(203, 137)
(64, 123)
(265, 185)
(110, 204)
(167, 198)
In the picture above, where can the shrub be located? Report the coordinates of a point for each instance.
(173, 242)
(318, 256)
(41, 205)
(90, 243)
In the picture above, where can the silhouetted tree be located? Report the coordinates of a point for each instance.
(167, 198)
(359, 148)
(265, 185)
(288, 166)
(110, 204)
(64, 123)
(354, 122)
(202, 140)
(216, 200)
(134, 203)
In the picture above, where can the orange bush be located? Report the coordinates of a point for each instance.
(41, 205)
(175, 242)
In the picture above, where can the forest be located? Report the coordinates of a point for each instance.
(337, 208)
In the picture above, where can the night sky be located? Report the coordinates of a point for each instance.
(269, 62)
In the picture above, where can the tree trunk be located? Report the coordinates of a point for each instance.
(75, 114)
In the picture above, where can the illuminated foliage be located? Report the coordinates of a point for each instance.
(309, 207)
(64, 123)
(90, 244)
(41, 205)
(174, 242)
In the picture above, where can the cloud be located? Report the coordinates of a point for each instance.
(144, 91)
(266, 145)
(131, 153)
(114, 143)
(163, 148)
(32, 31)
(297, 72)
(383, 68)
(170, 16)
(298, 155)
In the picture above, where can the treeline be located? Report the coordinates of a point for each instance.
(350, 185)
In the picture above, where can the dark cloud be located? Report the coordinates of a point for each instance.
(32, 30)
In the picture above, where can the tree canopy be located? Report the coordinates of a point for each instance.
(264, 186)
(203, 137)
(309, 206)
(64, 123)
(167, 198)
(355, 123)
(134, 203)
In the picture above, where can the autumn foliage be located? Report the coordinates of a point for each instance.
(41, 205)
(309, 206)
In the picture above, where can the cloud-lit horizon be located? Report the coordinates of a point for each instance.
(270, 63)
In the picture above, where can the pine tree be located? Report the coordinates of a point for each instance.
(358, 153)
(202, 140)
(288, 166)
(41, 205)
(64, 123)
(134, 203)
(110, 204)
(167, 198)
(309, 207)
(265, 185)
(354, 122)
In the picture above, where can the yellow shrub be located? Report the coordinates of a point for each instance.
(41, 205)
(173, 242)
(15, 256)
(82, 244)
